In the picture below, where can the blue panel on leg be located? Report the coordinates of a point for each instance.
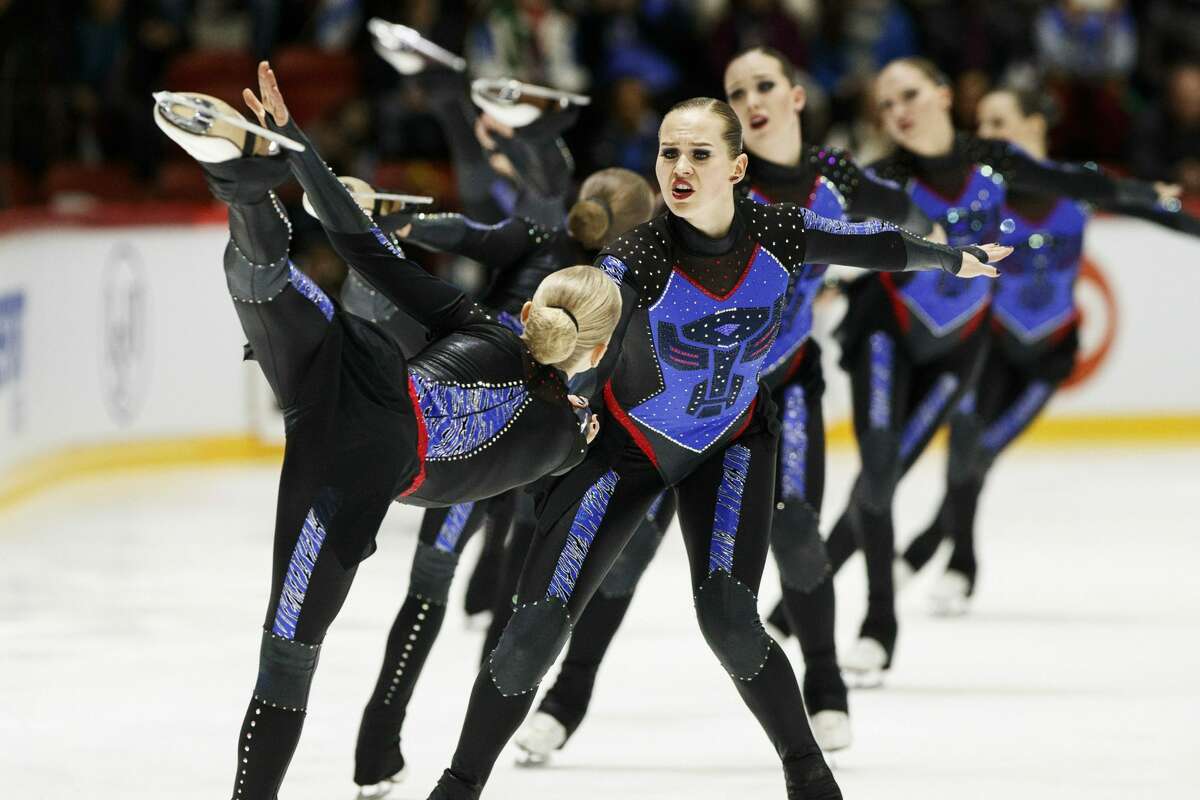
(579, 539)
(927, 414)
(729, 508)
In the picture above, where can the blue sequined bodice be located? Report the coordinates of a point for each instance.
(710, 351)
(941, 301)
(1035, 296)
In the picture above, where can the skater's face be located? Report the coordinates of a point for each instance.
(1000, 117)
(695, 169)
(765, 101)
(913, 108)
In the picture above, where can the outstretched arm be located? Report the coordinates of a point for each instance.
(496, 246)
(433, 302)
(884, 247)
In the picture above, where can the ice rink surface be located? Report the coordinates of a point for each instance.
(130, 606)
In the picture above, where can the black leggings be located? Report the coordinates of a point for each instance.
(584, 522)
(286, 319)
(443, 535)
(1009, 397)
(808, 599)
(898, 405)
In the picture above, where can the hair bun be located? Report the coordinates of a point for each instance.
(588, 223)
(550, 334)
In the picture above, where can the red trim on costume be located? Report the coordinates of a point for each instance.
(974, 322)
(736, 286)
(639, 438)
(422, 439)
(899, 310)
(746, 422)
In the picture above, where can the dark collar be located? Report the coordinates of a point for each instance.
(694, 241)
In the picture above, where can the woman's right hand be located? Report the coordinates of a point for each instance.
(972, 267)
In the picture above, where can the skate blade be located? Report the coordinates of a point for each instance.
(478, 622)
(396, 37)
(863, 679)
(377, 791)
(222, 123)
(527, 759)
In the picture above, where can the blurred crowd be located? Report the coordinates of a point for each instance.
(76, 75)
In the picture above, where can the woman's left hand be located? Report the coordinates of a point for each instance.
(271, 101)
(972, 267)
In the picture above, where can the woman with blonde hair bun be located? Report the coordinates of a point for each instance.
(570, 318)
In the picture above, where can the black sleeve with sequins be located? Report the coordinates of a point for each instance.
(495, 246)
(873, 245)
(1080, 182)
(867, 195)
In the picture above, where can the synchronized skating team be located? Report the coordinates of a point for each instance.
(627, 367)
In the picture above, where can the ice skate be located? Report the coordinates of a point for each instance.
(480, 621)
(832, 730)
(538, 739)
(951, 595)
(211, 131)
(374, 202)
(407, 51)
(863, 666)
(375, 791)
(517, 104)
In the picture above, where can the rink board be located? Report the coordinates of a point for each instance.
(119, 347)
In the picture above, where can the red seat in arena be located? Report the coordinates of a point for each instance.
(215, 72)
(102, 181)
(183, 182)
(433, 178)
(315, 83)
(16, 187)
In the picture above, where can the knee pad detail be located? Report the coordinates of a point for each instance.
(531, 641)
(880, 450)
(968, 460)
(285, 672)
(728, 614)
(432, 572)
(623, 578)
(798, 547)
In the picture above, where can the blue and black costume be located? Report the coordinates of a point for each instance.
(683, 410)
(1034, 335)
(914, 345)
(829, 183)
(472, 415)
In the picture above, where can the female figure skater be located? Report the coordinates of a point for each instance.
(1034, 342)
(761, 89)
(913, 345)
(520, 255)
(703, 289)
(476, 413)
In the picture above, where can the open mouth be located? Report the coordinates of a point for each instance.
(681, 190)
(759, 121)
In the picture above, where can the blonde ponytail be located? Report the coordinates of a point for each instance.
(572, 311)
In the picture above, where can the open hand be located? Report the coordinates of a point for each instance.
(1168, 192)
(972, 267)
(271, 101)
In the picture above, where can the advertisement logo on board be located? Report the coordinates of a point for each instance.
(125, 361)
(12, 313)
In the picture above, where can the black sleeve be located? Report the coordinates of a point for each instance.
(495, 246)
(875, 245)
(1077, 181)
(1176, 220)
(436, 304)
(874, 197)
(543, 166)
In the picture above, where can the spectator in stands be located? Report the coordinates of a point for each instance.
(756, 23)
(1167, 145)
(653, 41)
(630, 135)
(530, 40)
(1088, 49)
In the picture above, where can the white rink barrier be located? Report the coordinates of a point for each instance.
(116, 335)
(124, 335)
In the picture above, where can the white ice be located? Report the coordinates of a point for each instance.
(130, 606)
